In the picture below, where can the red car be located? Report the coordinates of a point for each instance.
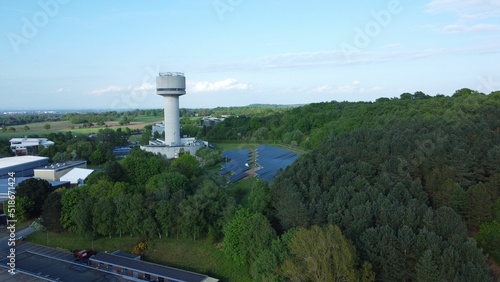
(85, 254)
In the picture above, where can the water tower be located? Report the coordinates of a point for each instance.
(171, 85)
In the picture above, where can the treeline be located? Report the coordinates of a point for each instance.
(125, 117)
(17, 119)
(309, 125)
(96, 149)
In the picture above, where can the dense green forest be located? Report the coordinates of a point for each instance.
(402, 189)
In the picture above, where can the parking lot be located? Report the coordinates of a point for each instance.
(5, 276)
(53, 265)
(44, 251)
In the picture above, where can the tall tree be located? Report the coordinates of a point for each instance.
(104, 217)
(187, 165)
(165, 216)
(51, 211)
(260, 198)
(426, 268)
(69, 199)
(321, 254)
(35, 190)
(479, 205)
(246, 236)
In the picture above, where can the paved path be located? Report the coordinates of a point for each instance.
(4, 241)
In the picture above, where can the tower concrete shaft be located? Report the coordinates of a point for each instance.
(171, 86)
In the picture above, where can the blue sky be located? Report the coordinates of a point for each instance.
(75, 54)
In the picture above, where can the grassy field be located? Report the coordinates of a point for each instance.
(65, 126)
(199, 256)
(148, 119)
(224, 146)
(237, 145)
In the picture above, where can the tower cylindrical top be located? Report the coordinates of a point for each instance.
(171, 83)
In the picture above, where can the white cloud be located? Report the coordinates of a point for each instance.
(62, 90)
(353, 87)
(463, 6)
(145, 87)
(322, 88)
(461, 28)
(392, 46)
(471, 15)
(337, 58)
(109, 89)
(221, 85)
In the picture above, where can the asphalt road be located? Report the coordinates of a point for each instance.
(4, 241)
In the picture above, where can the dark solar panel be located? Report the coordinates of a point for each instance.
(237, 177)
(271, 160)
(235, 164)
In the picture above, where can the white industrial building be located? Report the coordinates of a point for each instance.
(77, 175)
(57, 170)
(28, 146)
(21, 166)
(171, 85)
(157, 127)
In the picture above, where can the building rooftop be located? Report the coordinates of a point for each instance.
(32, 141)
(151, 268)
(11, 161)
(75, 175)
(28, 139)
(61, 166)
(126, 255)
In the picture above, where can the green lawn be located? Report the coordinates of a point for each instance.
(224, 146)
(39, 130)
(237, 145)
(65, 126)
(148, 119)
(199, 256)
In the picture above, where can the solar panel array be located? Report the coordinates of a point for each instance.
(271, 160)
(237, 164)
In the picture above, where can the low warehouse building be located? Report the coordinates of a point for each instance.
(56, 171)
(125, 265)
(21, 166)
(77, 175)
